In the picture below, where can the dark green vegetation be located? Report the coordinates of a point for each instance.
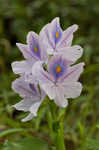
(17, 17)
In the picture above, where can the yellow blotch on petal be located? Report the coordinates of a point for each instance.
(57, 34)
(35, 48)
(58, 69)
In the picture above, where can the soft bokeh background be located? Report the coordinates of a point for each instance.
(17, 18)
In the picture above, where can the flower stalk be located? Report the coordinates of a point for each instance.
(56, 126)
(60, 145)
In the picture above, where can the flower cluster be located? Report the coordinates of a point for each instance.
(48, 68)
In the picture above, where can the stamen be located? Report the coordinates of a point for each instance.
(57, 34)
(58, 69)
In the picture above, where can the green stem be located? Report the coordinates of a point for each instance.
(56, 126)
(50, 124)
(60, 145)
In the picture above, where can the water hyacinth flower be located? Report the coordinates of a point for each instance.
(32, 97)
(49, 59)
(60, 81)
(32, 52)
(58, 41)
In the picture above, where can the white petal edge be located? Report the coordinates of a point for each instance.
(24, 105)
(34, 108)
(28, 118)
(20, 67)
(71, 53)
(25, 50)
(72, 89)
(60, 99)
(30, 36)
(67, 36)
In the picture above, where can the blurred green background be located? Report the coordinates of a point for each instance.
(17, 18)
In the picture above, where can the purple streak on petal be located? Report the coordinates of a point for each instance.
(64, 41)
(58, 30)
(68, 74)
(21, 87)
(46, 76)
(33, 42)
(31, 55)
(24, 88)
(54, 63)
(37, 53)
(55, 31)
(63, 69)
(33, 88)
(26, 53)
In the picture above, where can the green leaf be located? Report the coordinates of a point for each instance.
(92, 144)
(10, 131)
(97, 126)
(27, 144)
(92, 68)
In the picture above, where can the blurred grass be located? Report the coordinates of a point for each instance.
(17, 18)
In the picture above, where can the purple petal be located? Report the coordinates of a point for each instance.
(55, 93)
(34, 108)
(71, 53)
(60, 100)
(73, 73)
(26, 89)
(21, 87)
(44, 43)
(25, 51)
(23, 68)
(39, 73)
(32, 97)
(72, 89)
(43, 36)
(33, 42)
(67, 36)
(33, 88)
(49, 89)
(32, 36)
(55, 32)
(57, 66)
(24, 105)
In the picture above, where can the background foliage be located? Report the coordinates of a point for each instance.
(17, 18)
